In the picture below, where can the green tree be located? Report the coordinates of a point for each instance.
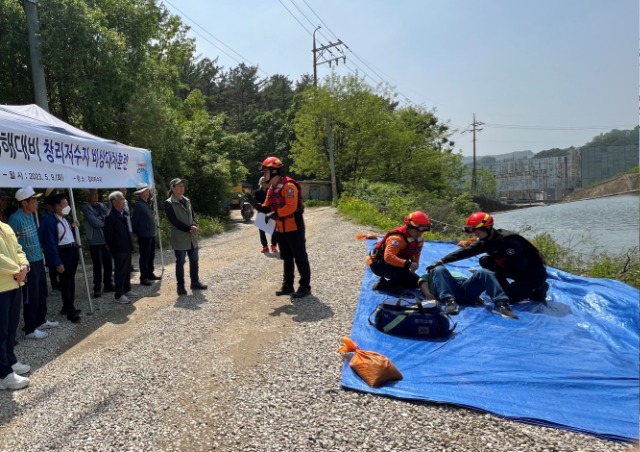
(371, 139)
(486, 184)
(15, 74)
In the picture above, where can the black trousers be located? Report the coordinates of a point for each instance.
(517, 290)
(147, 255)
(101, 258)
(122, 272)
(397, 275)
(34, 297)
(293, 251)
(263, 238)
(67, 279)
(54, 278)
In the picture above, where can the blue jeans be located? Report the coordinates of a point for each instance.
(193, 266)
(9, 319)
(467, 290)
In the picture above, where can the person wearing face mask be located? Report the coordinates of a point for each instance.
(57, 237)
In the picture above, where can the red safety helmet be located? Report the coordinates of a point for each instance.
(271, 162)
(478, 220)
(418, 220)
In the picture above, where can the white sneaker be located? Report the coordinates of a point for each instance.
(20, 368)
(37, 334)
(122, 300)
(132, 294)
(14, 381)
(48, 324)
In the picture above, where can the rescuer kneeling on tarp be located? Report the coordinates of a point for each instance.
(395, 258)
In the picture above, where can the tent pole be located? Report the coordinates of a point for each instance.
(79, 242)
(158, 231)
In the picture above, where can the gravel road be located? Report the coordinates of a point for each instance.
(236, 368)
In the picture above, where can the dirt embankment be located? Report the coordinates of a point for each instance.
(627, 183)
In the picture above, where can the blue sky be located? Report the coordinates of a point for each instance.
(539, 74)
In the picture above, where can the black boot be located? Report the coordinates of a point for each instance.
(301, 292)
(284, 290)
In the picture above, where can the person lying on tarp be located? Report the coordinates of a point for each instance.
(509, 255)
(396, 256)
(455, 288)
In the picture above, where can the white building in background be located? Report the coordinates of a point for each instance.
(553, 178)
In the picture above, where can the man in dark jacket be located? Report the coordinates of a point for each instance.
(144, 228)
(94, 213)
(118, 238)
(509, 255)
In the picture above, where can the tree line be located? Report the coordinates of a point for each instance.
(126, 70)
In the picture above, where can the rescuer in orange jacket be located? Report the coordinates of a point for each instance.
(395, 258)
(284, 199)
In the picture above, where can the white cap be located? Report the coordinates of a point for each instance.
(142, 186)
(26, 193)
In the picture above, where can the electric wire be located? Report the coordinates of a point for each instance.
(521, 127)
(294, 16)
(244, 59)
(310, 21)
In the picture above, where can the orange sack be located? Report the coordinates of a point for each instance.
(374, 368)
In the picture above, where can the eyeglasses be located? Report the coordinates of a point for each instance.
(423, 228)
(469, 229)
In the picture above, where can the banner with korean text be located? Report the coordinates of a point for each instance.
(41, 151)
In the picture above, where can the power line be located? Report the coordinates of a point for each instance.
(217, 39)
(294, 16)
(513, 126)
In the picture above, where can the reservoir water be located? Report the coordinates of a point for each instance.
(585, 227)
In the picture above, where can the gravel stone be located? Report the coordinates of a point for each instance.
(236, 368)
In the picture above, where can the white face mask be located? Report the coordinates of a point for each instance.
(66, 210)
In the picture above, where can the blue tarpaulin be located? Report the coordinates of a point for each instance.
(570, 362)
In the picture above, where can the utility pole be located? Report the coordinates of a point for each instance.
(475, 129)
(319, 58)
(37, 70)
(332, 165)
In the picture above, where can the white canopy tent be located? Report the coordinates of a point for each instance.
(39, 150)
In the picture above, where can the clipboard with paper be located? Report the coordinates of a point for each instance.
(266, 226)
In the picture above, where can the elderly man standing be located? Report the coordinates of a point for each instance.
(13, 271)
(118, 238)
(144, 227)
(61, 251)
(184, 235)
(34, 292)
(94, 214)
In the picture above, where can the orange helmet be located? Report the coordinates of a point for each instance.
(418, 220)
(478, 220)
(271, 162)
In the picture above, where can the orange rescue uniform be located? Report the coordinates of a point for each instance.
(400, 251)
(284, 200)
